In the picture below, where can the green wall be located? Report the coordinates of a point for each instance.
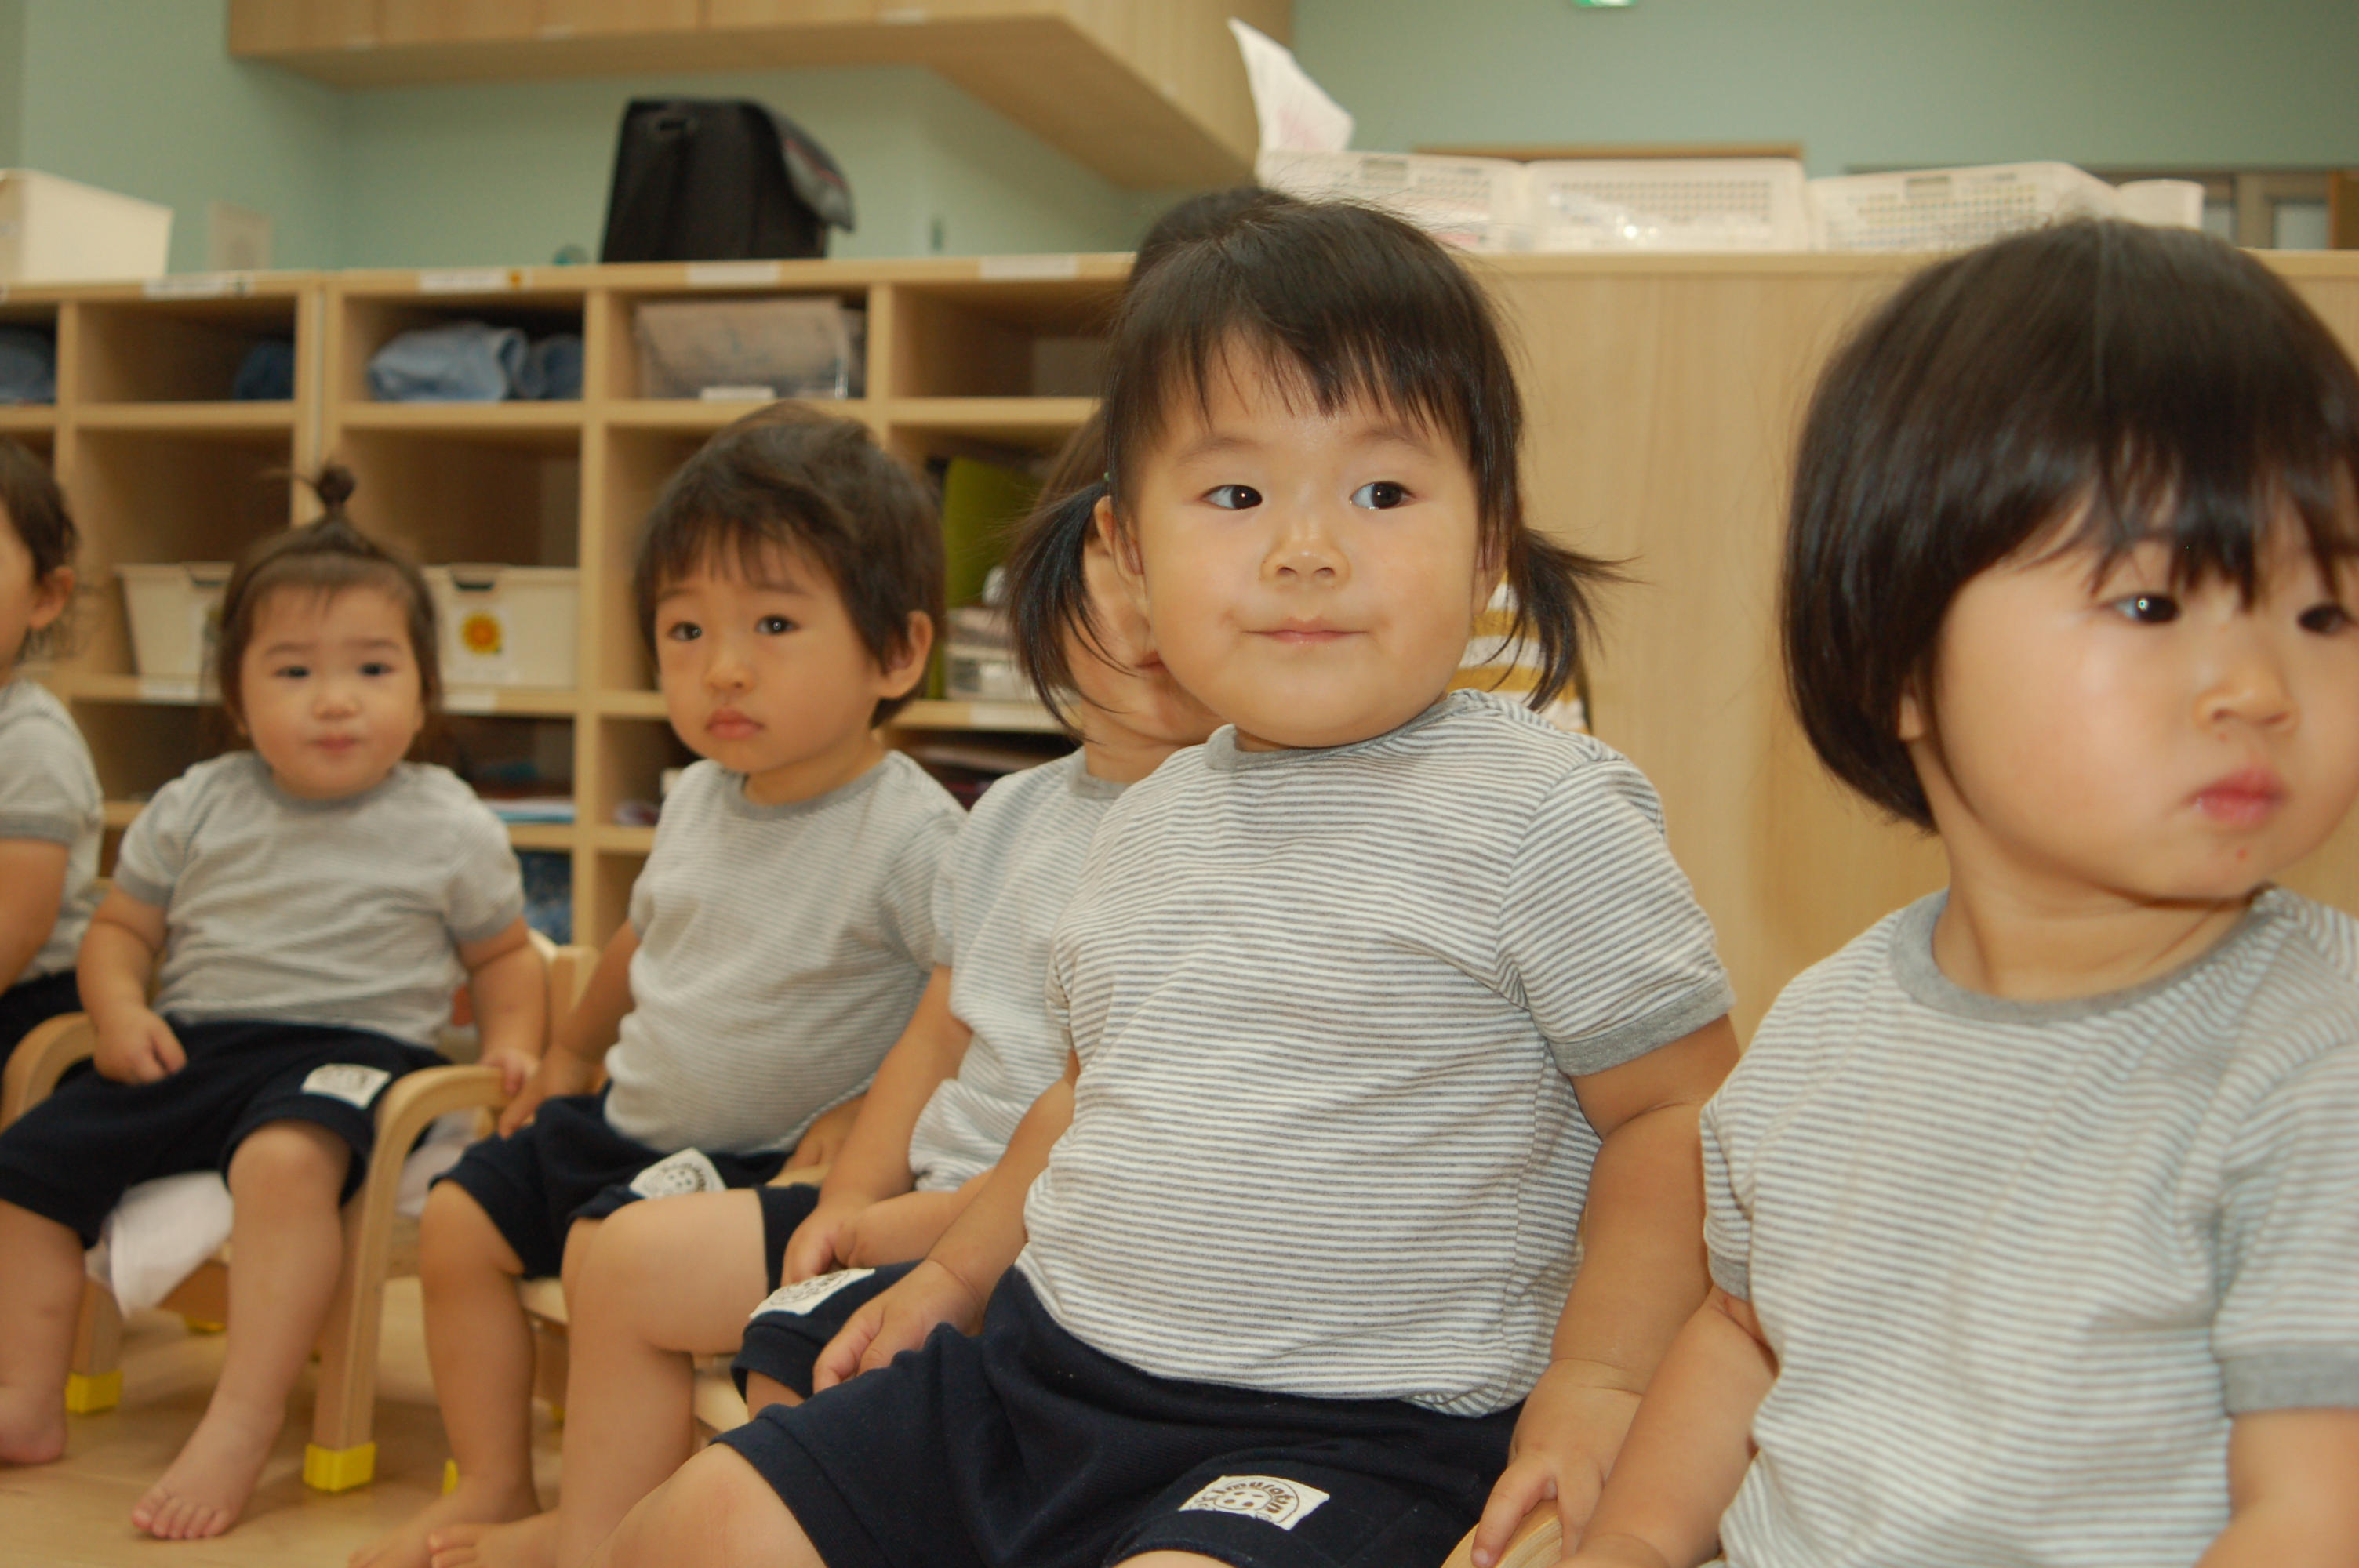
(1856, 82)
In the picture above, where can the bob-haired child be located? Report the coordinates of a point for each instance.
(789, 580)
(2034, 1211)
(314, 902)
(49, 801)
(662, 1285)
(1392, 1012)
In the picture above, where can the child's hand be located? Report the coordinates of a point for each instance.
(823, 1241)
(897, 1228)
(137, 1047)
(516, 1068)
(560, 1073)
(902, 1318)
(1565, 1442)
(824, 1138)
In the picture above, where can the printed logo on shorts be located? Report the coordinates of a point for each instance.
(347, 1081)
(676, 1175)
(804, 1294)
(1273, 1499)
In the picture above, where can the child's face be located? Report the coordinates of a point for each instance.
(28, 603)
(1129, 698)
(2132, 739)
(1311, 579)
(331, 689)
(770, 678)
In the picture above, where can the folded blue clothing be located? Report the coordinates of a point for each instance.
(553, 368)
(459, 362)
(266, 374)
(28, 366)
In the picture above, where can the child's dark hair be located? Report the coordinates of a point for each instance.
(37, 512)
(790, 478)
(1340, 304)
(325, 557)
(2092, 384)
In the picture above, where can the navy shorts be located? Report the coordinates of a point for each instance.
(788, 1332)
(71, 1157)
(1024, 1448)
(29, 1004)
(568, 1164)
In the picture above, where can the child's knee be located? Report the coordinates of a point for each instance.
(456, 1236)
(715, 1509)
(288, 1160)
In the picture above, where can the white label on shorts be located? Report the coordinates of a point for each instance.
(347, 1081)
(1273, 1499)
(804, 1294)
(676, 1175)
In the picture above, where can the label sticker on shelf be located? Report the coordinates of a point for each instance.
(470, 700)
(199, 286)
(1003, 269)
(733, 274)
(471, 280)
(162, 688)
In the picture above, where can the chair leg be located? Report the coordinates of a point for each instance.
(341, 1453)
(94, 1375)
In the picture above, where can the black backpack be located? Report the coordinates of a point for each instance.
(719, 179)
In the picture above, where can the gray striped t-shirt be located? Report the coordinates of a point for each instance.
(49, 791)
(343, 912)
(782, 949)
(2022, 1262)
(1013, 871)
(1323, 1141)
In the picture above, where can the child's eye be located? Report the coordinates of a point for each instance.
(1381, 495)
(774, 625)
(1233, 497)
(2149, 609)
(376, 667)
(292, 672)
(2325, 619)
(683, 631)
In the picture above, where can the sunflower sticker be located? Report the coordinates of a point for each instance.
(483, 634)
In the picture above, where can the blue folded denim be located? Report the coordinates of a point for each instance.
(28, 366)
(552, 368)
(459, 362)
(266, 374)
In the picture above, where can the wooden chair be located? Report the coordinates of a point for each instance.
(340, 1455)
(1538, 1541)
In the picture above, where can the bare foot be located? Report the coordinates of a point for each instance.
(527, 1543)
(407, 1546)
(206, 1488)
(32, 1427)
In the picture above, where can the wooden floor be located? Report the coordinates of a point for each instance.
(77, 1511)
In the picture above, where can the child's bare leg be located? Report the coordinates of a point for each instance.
(762, 1392)
(715, 1512)
(40, 1296)
(287, 1247)
(479, 1346)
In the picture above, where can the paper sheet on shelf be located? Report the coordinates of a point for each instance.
(1294, 112)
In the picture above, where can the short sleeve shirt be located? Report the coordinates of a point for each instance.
(1326, 1004)
(782, 949)
(1015, 867)
(2022, 1262)
(49, 792)
(345, 912)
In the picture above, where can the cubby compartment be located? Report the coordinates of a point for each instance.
(523, 767)
(989, 339)
(639, 462)
(185, 350)
(28, 358)
(372, 321)
(457, 491)
(633, 753)
(141, 746)
(757, 348)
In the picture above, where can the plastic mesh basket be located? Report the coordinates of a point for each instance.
(1668, 204)
(1473, 202)
(1950, 208)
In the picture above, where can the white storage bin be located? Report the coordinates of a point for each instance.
(756, 349)
(1476, 203)
(175, 614)
(507, 625)
(59, 231)
(1668, 204)
(1950, 209)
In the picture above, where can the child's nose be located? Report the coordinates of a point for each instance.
(1306, 548)
(2248, 684)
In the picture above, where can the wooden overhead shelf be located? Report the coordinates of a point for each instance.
(1150, 94)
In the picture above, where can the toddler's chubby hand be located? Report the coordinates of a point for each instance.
(137, 1047)
(1565, 1443)
(897, 1228)
(823, 1241)
(560, 1073)
(902, 1318)
(516, 1068)
(823, 1139)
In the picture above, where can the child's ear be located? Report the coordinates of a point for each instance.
(1123, 551)
(902, 673)
(51, 594)
(1912, 726)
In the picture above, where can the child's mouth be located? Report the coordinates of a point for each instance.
(729, 726)
(2242, 799)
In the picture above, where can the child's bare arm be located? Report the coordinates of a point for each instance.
(1642, 1274)
(134, 1045)
(958, 1276)
(1688, 1450)
(873, 1162)
(577, 1045)
(32, 881)
(510, 987)
(2291, 1501)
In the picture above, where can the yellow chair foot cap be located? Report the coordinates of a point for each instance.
(450, 1476)
(204, 1326)
(87, 1393)
(339, 1469)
